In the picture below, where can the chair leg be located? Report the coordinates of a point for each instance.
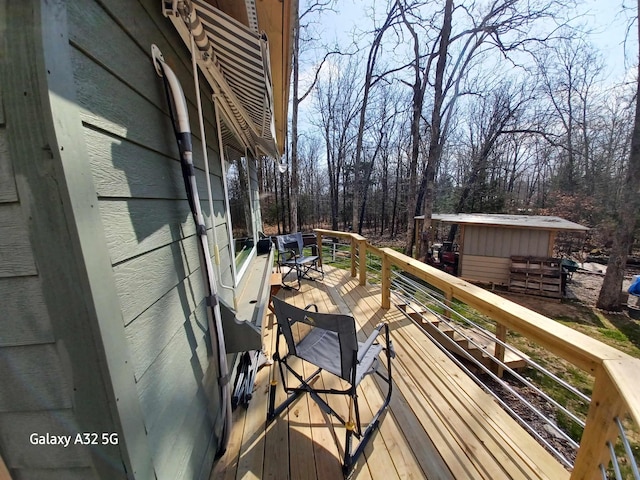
(349, 457)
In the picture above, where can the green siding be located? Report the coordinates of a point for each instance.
(24, 319)
(148, 226)
(104, 328)
(42, 306)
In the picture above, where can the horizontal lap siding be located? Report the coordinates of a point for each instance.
(505, 242)
(147, 221)
(486, 269)
(34, 384)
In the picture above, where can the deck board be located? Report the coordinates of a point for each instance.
(440, 424)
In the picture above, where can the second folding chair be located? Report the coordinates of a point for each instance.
(291, 258)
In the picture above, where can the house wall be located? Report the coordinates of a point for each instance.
(45, 319)
(104, 329)
(487, 251)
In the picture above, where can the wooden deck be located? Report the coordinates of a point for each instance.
(440, 423)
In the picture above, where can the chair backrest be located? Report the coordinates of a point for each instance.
(343, 325)
(290, 241)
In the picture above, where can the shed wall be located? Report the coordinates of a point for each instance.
(505, 242)
(487, 251)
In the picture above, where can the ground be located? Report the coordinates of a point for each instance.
(582, 291)
(577, 311)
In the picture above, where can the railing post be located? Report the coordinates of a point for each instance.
(319, 242)
(362, 254)
(606, 405)
(353, 257)
(501, 334)
(448, 301)
(386, 282)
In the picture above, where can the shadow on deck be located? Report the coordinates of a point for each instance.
(440, 423)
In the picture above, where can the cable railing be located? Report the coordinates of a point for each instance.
(465, 319)
(453, 342)
(606, 449)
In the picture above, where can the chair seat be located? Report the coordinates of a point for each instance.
(322, 348)
(301, 260)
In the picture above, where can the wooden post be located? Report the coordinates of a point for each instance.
(501, 334)
(362, 253)
(319, 242)
(353, 257)
(606, 404)
(448, 301)
(386, 282)
(552, 241)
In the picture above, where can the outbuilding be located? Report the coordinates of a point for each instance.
(487, 242)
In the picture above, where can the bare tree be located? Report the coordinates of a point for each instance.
(337, 106)
(496, 113)
(502, 25)
(569, 73)
(609, 298)
(359, 187)
(314, 7)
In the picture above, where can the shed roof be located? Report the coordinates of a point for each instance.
(539, 222)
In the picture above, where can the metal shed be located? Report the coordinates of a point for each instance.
(488, 241)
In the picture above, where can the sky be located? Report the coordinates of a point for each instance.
(606, 20)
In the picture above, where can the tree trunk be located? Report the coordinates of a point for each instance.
(359, 183)
(436, 140)
(609, 298)
(293, 199)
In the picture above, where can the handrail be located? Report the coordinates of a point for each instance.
(616, 373)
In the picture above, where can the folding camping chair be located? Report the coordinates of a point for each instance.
(330, 344)
(291, 257)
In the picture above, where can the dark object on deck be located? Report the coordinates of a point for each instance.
(634, 289)
(331, 345)
(291, 257)
(264, 246)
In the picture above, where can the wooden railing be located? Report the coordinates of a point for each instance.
(617, 374)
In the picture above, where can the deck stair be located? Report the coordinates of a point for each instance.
(471, 340)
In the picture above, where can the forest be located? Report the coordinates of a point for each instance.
(490, 106)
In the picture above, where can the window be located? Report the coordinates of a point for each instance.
(242, 222)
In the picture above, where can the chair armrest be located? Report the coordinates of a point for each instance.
(286, 255)
(370, 341)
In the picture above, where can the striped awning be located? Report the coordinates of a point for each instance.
(235, 61)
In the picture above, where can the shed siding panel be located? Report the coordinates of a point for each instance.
(151, 332)
(37, 379)
(505, 242)
(15, 427)
(41, 302)
(46, 474)
(147, 222)
(486, 269)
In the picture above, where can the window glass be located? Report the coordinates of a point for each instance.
(240, 208)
